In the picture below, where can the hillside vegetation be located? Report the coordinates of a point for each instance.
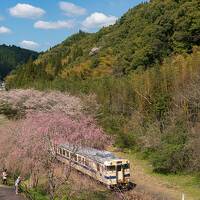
(12, 56)
(145, 73)
(141, 38)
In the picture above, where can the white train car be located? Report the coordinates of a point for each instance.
(100, 165)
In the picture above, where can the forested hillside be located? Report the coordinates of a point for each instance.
(141, 38)
(12, 56)
(145, 73)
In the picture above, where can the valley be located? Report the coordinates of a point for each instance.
(130, 86)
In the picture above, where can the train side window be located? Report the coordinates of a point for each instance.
(79, 159)
(126, 166)
(60, 151)
(75, 157)
(111, 168)
(83, 161)
(119, 168)
(72, 156)
(67, 153)
(86, 162)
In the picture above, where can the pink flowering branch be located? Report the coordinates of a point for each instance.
(32, 141)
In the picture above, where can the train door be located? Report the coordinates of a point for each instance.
(120, 173)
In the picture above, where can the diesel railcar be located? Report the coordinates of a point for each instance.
(103, 166)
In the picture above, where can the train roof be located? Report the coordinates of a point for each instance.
(94, 154)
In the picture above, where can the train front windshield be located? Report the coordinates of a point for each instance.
(117, 167)
(126, 166)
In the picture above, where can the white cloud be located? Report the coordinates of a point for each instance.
(71, 9)
(98, 20)
(26, 11)
(4, 30)
(53, 25)
(29, 44)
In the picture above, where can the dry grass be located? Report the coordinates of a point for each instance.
(3, 120)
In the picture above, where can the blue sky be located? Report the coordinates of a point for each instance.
(40, 24)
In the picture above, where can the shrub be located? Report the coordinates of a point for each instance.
(10, 112)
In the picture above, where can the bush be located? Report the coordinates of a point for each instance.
(127, 140)
(169, 159)
(9, 111)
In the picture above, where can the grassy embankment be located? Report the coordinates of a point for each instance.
(3, 120)
(189, 184)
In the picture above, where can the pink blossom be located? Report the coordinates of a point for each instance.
(32, 100)
(30, 143)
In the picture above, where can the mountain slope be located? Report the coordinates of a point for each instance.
(12, 56)
(143, 37)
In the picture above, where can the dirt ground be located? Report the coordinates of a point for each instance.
(147, 188)
(151, 187)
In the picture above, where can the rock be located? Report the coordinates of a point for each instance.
(94, 51)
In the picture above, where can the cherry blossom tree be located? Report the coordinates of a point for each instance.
(25, 101)
(32, 142)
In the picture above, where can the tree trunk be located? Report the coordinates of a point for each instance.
(51, 184)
